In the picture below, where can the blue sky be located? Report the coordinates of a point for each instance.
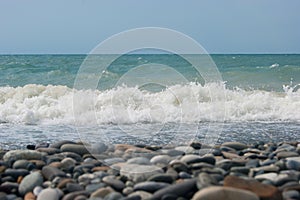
(77, 26)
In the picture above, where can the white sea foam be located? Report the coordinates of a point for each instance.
(34, 104)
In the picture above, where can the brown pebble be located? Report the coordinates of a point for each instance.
(101, 168)
(19, 180)
(62, 184)
(29, 196)
(264, 191)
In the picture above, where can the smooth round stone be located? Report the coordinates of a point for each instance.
(235, 145)
(150, 186)
(113, 196)
(37, 190)
(73, 187)
(58, 144)
(67, 163)
(196, 145)
(224, 193)
(15, 173)
(184, 175)
(205, 180)
(98, 148)
(30, 182)
(161, 159)
(102, 192)
(268, 176)
(114, 183)
(286, 154)
(51, 172)
(49, 194)
(161, 178)
(23, 155)
(139, 173)
(73, 195)
(139, 160)
(9, 187)
(21, 164)
(75, 148)
(189, 159)
(291, 194)
(186, 149)
(127, 190)
(142, 194)
(293, 163)
(172, 152)
(179, 190)
(93, 187)
(243, 170)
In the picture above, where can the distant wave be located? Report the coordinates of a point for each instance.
(35, 104)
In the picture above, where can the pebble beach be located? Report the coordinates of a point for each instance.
(69, 170)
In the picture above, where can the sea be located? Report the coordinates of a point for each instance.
(257, 99)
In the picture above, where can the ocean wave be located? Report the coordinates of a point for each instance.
(35, 104)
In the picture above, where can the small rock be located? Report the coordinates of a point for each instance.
(102, 192)
(161, 159)
(224, 193)
(75, 148)
(263, 191)
(49, 194)
(178, 190)
(23, 155)
(139, 160)
(150, 186)
(142, 194)
(29, 182)
(51, 172)
(29, 196)
(235, 145)
(291, 194)
(139, 173)
(161, 178)
(286, 154)
(114, 183)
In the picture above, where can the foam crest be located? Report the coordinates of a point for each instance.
(34, 104)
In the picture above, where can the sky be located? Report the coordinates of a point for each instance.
(220, 26)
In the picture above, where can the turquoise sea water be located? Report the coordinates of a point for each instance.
(259, 97)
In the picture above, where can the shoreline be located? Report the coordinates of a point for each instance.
(68, 170)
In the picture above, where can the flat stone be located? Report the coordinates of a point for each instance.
(30, 182)
(293, 163)
(139, 160)
(113, 196)
(23, 155)
(161, 159)
(49, 151)
(9, 187)
(286, 154)
(142, 194)
(58, 144)
(179, 190)
(51, 172)
(73, 187)
(186, 149)
(263, 191)
(93, 187)
(75, 148)
(67, 164)
(235, 145)
(267, 176)
(224, 193)
(49, 194)
(15, 173)
(139, 173)
(161, 178)
(102, 192)
(73, 195)
(150, 186)
(190, 159)
(114, 183)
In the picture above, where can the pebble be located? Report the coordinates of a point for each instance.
(224, 193)
(235, 145)
(150, 186)
(30, 182)
(178, 190)
(263, 191)
(139, 173)
(51, 172)
(75, 148)
(49, 194)
(23, 155)
(67, 171)
(114, 183)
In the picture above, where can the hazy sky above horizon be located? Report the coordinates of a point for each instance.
(77, 26)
